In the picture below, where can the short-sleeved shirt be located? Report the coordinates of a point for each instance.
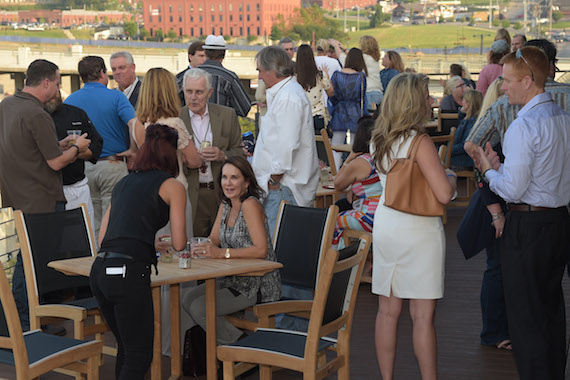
(66, 118)
(109, 111)
(27, 141)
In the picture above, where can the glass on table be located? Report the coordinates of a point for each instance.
(195, 249)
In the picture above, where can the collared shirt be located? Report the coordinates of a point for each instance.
(537, 156)
(109, 111)
(286, 142)
(129, 90)
(202, 132)
(228, 90)
(491, 127)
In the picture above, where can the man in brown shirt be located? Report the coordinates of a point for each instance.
(31, 156)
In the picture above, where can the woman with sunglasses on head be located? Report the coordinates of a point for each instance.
(141, 204)
(455, 88)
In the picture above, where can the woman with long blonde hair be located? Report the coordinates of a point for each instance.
(409, 250)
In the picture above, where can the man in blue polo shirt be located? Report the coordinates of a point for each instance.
(111, 113)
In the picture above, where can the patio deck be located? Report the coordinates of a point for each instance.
(458, 322)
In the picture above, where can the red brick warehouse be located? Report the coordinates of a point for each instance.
(196, 18)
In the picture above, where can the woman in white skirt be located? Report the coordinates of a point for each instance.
(409, 250)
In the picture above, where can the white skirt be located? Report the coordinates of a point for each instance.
(409, 255)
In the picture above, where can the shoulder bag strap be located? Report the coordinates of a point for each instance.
(414, 146)
(361, 94)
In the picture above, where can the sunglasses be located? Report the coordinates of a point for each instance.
(519, 55)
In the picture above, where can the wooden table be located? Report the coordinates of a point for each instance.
(344, 148)
(323, 193)
(170, 274)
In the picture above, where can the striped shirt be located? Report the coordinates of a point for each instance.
(496, 120)
(228, 90)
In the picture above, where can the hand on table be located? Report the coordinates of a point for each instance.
(208, 250)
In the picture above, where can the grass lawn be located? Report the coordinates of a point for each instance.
(561, 25)
(48, 33)
(83, 34)
(426, 36)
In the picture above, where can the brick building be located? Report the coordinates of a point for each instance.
(66, 17)
(332, 5)
(196, 18)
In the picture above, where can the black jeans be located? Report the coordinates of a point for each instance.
(126, 304)
(534, 252)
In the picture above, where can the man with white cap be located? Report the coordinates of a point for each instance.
(228, 90)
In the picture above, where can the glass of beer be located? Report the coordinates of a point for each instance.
(74, 133)
(204, 144)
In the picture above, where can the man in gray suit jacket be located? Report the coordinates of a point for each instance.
(216, 132)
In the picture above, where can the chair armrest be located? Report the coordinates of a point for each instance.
(281, 307)
(61, 311)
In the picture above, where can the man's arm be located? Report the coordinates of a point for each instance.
(94, 151)
(71, 154)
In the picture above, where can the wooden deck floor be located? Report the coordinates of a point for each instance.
(458, 321)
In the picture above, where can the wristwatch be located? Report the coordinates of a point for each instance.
(227, 255)
(272, 181)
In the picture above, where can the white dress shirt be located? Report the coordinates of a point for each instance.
(129, 90)
(286, 142)
(537, 156)
(202, 132)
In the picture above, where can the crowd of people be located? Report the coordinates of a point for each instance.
(162, 156)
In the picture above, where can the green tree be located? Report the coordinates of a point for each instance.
(159, 34)
(130, 28)
(506, 23)
(171, 34)
(496, 22)
(557, 15)
(308, 20)
(441, 19)
(276, 33)
(379, 17)
(517, 25)
(144, 34)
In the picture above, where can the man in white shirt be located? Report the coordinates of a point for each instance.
(285, 157)
(123, 68)
(535, 181)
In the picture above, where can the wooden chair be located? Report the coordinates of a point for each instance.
(349, 236)
(34, 353)
(446, 140)
(470, 187)
(442, 153)
(52, 236)
(446, 121)
(326, 144)
(331, 312)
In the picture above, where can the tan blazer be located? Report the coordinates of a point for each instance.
(226, 135)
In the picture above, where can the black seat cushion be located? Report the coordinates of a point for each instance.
(89, 303)
(39, 346)
(281, 341)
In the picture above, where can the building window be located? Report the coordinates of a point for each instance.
(201, 18)
(221, 18)
(150, 18)
(257, 6)
(212, 7)
(180, 18)
(159, 9)
(221, 31)
(241, 17)
(248, 7)
(201, 32)
(257, 17)
(231, 17)
(231, 7)
(159, 18)
(192, 32)
(151, 32)
(213, 18)
(240, 31)
(170, 18)
(258, 31)
(231, 31)
(170, 8)
(150, 8)
(191, 18)
(214, 31)
(248, 31)
(221, 7)
(200, 8)
(180, 32)
(240, 7)
(191, 7)
(247, 17)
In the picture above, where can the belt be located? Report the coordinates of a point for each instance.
(207, 185)
(527, 208)
(113, 157)
(114, 255)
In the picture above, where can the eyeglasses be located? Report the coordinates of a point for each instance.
(519, 55)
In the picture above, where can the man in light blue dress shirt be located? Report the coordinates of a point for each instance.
(535, 181)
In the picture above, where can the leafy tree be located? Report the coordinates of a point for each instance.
(171, 34)
(379, 17)
(506, 23)
(251, 38)
(306, 21)
(130, 28)
(159, 34)
(496, 22)
(144, 34)
(557, 15)
(517, 25)
(276, 33)
(441, 19)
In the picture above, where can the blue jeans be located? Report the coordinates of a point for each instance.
(493, 310)
(272, 202)
(374, 97)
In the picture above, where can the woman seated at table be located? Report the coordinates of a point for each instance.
(141, 204)
(460, 160)
(454, 101)
(240, 232)
(359, 173)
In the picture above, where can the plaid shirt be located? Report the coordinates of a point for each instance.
(494, 123)
(228, 90)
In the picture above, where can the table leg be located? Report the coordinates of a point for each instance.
(175, 361)
(156, 366)
(211, 337)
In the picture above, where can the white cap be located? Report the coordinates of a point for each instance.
(215, 43)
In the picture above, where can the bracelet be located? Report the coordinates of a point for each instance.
(497, 217)
(485, 172)
(452, 175)
(74, 145)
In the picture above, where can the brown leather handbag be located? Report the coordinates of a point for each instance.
(407, 189)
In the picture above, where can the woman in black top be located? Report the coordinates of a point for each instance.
(141, 204)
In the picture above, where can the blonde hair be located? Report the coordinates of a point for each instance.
(404, 109)
(396, 60)
(503, 34)
(474, 98)
(158, 97)
(452, 83)
(466, 72)
(369, 45)
(493, 93)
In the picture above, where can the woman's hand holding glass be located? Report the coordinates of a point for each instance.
(201, 247)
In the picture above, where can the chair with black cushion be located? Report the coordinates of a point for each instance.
(446, 121)
(324, 150)
(331, 312)
(55, 236)
(302, 237)
(34, 353)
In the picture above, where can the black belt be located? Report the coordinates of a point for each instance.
(113, 157)
(114, 255)
(208, 185)
(527, 208)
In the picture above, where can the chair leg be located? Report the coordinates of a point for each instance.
(265, 372)
(229, 370)
(93, 368)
